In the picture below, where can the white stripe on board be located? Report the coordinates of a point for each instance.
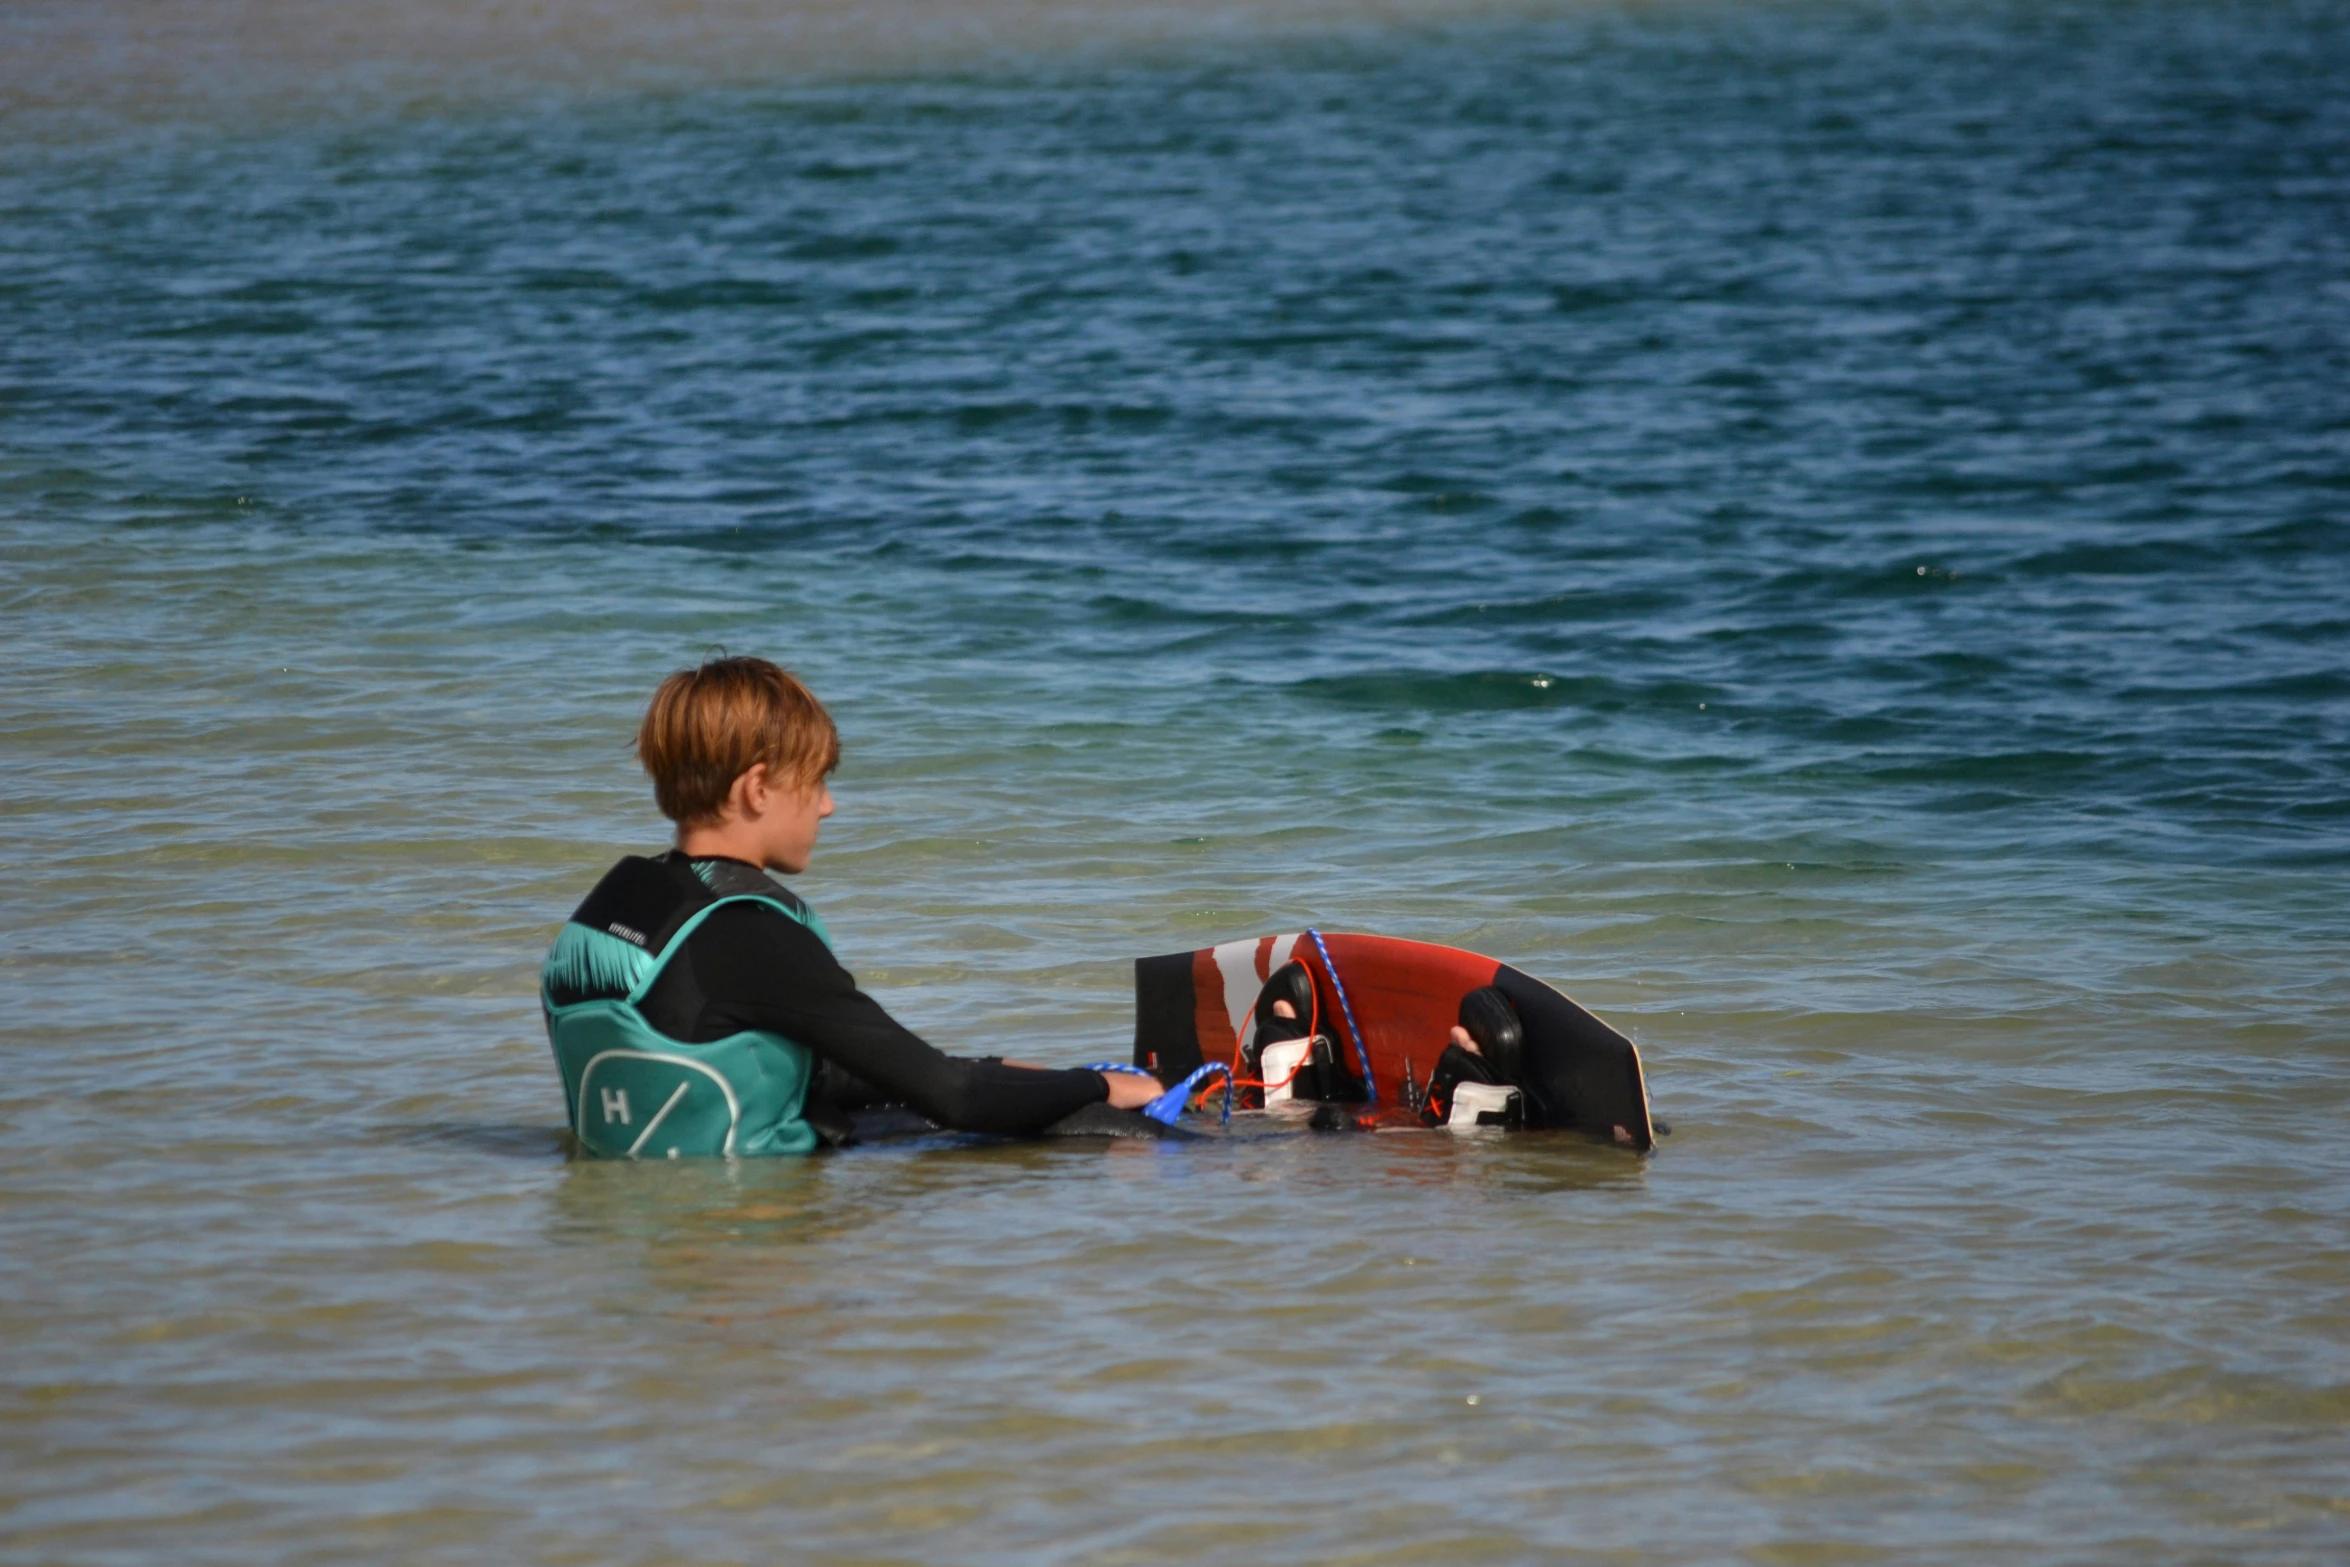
(1237, 962)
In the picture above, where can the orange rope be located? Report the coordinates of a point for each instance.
(1240, 1039)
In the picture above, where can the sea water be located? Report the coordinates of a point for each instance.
(1817, 528)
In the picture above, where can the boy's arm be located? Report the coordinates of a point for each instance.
(752, 967)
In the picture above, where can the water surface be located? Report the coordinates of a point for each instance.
(1819, 529)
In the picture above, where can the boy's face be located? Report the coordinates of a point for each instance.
(767, 819)
(788, 822)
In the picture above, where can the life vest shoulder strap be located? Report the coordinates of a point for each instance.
(795, 910)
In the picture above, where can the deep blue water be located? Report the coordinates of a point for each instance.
(1956, 400)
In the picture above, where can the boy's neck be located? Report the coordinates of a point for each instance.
(725, 841)
(698, 855)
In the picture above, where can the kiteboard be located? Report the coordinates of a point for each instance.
(1389, 1006)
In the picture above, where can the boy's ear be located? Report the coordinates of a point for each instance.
(750, 791)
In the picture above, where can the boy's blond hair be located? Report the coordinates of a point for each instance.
(706, 727)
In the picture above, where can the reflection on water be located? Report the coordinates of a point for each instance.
(534, 1142)
(626, 1213)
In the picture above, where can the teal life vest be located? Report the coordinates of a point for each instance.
(632, 1091)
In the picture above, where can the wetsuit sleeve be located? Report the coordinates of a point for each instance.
(748, 966)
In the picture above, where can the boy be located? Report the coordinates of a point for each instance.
(693, 1001)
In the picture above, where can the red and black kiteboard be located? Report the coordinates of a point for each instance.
(1401, 999)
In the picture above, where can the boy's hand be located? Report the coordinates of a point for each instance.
(1130, 1092)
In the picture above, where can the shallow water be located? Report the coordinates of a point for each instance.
(1819, 529)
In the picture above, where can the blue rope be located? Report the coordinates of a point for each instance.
(1169, 1105)
(1362, 1056)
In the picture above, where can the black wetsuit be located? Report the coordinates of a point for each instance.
(750, 967)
